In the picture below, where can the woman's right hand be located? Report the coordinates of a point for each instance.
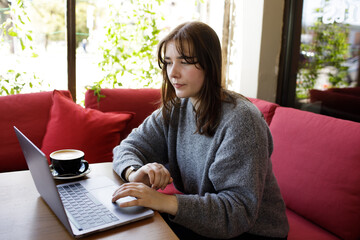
(154, 175)
(146, 197)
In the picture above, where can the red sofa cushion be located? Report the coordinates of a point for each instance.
(170, 190)
(141, 101)
(94, 132)
(316, 160)
(28, 112)
(267, 108)
(301, 229)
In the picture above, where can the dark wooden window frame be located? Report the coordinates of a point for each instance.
(71, 46)
(290, 51)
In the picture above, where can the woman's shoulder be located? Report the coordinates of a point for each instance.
(238, 105)
(241, 116)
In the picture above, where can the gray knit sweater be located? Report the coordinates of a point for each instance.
(227, 179)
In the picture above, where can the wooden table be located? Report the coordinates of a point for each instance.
(24, 214)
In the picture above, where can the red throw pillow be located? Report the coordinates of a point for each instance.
(141, 101)
(94, 132)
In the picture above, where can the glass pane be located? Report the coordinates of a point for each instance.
(117, 40)
(327, 79)
(32, 46)
(91, 17)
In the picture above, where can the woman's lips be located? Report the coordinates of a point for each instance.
(178, 85)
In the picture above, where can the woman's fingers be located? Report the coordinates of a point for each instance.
(141, 192)
(126, 190)
(152, 176)
(159, 176)
(146, 197)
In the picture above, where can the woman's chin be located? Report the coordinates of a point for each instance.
(181, 94)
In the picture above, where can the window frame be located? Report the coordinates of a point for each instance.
(289, 55)
(71, 46)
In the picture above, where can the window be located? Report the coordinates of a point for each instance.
(320, 58)
(62, 44)
(71, 44)
(34, 48)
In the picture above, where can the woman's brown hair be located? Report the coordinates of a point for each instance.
(202, 47)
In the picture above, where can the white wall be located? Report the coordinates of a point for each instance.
(249, 18)
(258, 36)
(270, 49)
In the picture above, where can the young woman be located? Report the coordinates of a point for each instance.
(215, 145)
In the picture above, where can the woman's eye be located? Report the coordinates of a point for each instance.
(168, 63)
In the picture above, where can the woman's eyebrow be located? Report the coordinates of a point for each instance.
(178, 57)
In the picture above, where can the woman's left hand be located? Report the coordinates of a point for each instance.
(146, 197)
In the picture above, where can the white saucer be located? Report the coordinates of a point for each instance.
(56, 175)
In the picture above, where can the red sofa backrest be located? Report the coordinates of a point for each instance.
(267, 108)
(316, 161)
(142, 102)
(30, 114)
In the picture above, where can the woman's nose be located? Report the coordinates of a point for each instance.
(174, 71)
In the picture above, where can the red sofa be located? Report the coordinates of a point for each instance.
(316, 158)
(338, 102)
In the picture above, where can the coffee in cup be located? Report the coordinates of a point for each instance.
(67, 161)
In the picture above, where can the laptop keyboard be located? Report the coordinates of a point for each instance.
(83, 210)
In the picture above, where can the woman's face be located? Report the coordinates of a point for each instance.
(187, 79)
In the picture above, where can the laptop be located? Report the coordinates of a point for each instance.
(84, 206)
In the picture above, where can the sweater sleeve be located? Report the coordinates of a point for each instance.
(237, 174)
(145, 144)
